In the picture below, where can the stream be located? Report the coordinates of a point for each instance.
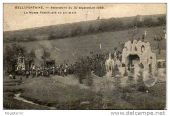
(17, 96)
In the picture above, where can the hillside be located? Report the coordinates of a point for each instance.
(72, 48)
(83, 28)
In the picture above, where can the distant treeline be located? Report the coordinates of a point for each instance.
(83, 28)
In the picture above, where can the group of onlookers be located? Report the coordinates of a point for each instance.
(94, 62)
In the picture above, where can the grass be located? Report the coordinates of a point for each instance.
(145, 101)
(154, 99)
(69, 49)
(60, 93)
(67, 93)
(10, 103)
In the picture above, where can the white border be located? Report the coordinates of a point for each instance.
(74, 112)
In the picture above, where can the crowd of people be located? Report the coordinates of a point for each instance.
(93, 62)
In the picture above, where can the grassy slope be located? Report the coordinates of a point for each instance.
(74, 47)
(67, 93)
(50, 90)
(10, 87)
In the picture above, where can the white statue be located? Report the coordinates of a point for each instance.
(109, 66)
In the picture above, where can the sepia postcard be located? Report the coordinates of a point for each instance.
(84, 56)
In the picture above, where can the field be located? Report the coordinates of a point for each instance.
(58, 92)
(69, 49)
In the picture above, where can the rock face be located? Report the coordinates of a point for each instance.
(138, 52)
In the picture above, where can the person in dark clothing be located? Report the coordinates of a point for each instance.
(27, 74)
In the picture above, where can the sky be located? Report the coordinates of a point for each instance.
(16, 19)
